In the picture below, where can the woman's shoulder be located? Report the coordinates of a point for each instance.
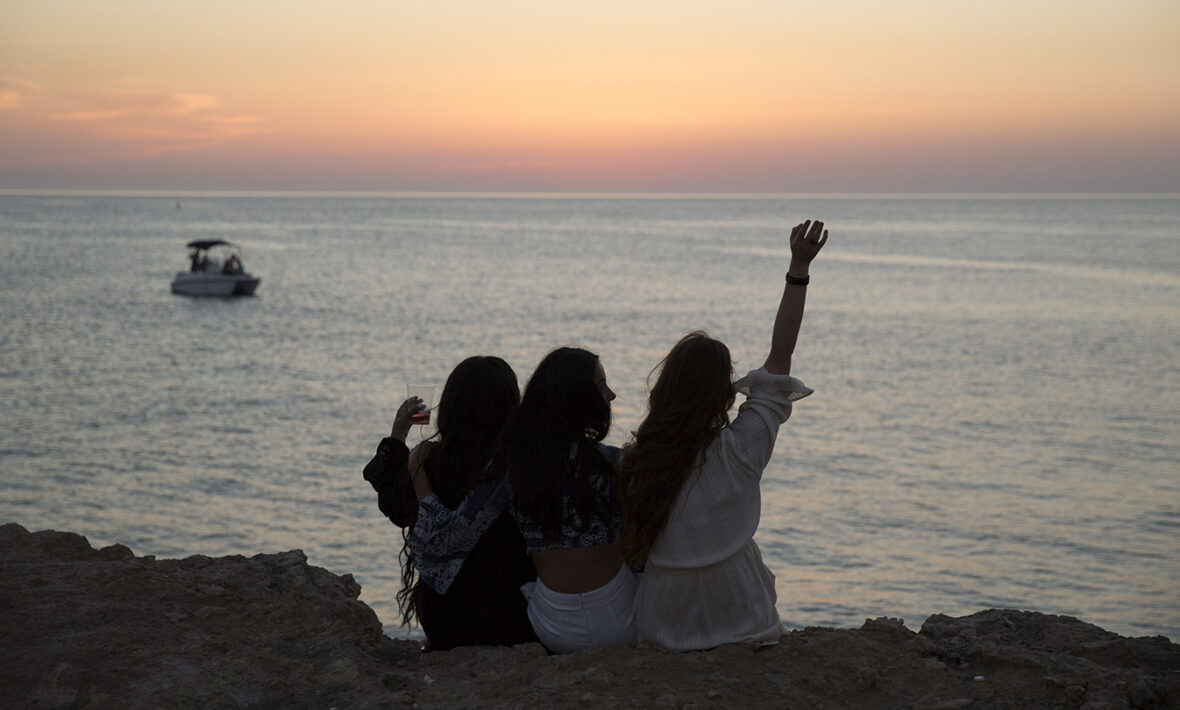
(425, 448)
(421, 452)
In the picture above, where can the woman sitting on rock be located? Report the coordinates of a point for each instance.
(689, 482)
(483, 605)
(558, 481)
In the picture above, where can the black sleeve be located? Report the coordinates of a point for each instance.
(390, 477)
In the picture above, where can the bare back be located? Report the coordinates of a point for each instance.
(578, 570)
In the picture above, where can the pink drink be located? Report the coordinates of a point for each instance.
(425, 395)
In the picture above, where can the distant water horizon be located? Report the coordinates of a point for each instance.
(592, 195)
(994, 424)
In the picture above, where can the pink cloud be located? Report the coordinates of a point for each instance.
(13, 91)
(155, 122)
(102, 106)
(88, 115)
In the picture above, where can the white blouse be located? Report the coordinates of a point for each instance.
(705, 583)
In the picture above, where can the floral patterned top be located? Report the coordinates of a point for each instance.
(442, 537)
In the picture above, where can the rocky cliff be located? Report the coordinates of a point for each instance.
(86, 628)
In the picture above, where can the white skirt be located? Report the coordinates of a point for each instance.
(732, 601)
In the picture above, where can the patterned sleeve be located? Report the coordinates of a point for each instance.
(442, 538)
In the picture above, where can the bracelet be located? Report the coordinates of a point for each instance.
(796, 281)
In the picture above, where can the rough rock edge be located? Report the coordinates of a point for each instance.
(86, 628)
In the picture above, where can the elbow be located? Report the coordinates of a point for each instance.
(403, 518)
(778, 364)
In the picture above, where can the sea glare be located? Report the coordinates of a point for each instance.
(997, 379)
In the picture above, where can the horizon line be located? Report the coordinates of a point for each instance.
(532, 194)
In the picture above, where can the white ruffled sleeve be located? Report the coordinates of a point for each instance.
(765, 384)
(768, 404)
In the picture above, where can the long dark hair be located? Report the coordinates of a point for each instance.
(562, 411)
(479, 396)
(688, 407)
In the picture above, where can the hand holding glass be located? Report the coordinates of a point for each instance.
(426, 394)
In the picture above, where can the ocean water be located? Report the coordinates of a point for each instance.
(997, 380)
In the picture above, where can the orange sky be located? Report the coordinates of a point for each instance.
(714, 96)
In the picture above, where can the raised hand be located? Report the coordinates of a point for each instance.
(806, 241)
(401, 420)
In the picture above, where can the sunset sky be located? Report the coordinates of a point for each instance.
(605, 96)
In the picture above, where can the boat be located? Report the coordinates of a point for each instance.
(215, 269)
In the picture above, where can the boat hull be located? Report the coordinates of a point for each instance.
(214, 284)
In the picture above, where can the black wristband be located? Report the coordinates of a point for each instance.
(794, 281)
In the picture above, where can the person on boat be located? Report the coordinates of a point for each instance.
(558, 481)
(232, 265)
(196, 261)
(690, 481)
(484, 604)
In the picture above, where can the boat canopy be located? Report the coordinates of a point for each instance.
(209, 243)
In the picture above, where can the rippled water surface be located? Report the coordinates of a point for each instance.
(996, 419)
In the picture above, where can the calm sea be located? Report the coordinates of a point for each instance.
(996, 420)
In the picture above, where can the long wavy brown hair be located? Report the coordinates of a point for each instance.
(687, 408)
(480, 394)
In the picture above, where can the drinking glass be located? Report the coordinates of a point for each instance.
(426, 394)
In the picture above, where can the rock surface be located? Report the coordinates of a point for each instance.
(86, 628)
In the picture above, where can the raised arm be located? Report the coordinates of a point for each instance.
(422, 487)
(388, 473)
(806, 241)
